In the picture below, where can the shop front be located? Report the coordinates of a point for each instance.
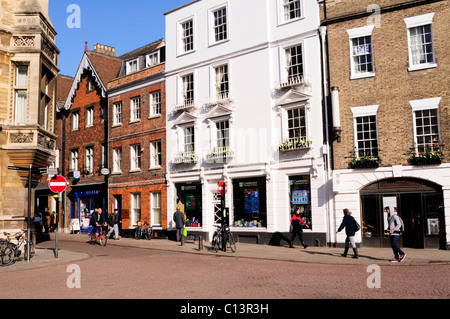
(189, 200)
(249, 203)
(300, 197)
(83, 201)
(418, 202)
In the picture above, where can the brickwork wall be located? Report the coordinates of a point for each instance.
(143, 132)
(86, 136)
(393, 86)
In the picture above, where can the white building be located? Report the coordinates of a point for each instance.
(243, 81)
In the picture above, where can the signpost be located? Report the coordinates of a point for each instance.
(57, 184)
(223, 188)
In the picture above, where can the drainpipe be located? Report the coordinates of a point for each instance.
(331, 226)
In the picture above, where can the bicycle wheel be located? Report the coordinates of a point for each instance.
(7, 254)
(215, 243)
(91, 238)
(137, 233)
(231, 243)
(103, 238)
(149, 234)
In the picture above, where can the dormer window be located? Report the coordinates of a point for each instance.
(132, 66)
(153, 59)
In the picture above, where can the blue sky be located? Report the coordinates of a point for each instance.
(125, 25)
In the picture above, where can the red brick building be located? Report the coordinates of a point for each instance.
(85, 135)
(137, 135)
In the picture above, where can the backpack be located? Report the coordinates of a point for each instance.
(402, 225)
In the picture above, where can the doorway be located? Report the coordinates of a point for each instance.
(420, 205)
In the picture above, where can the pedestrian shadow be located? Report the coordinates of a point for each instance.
(276, 239)
(338, 255)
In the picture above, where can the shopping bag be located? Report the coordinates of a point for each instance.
(184, 232)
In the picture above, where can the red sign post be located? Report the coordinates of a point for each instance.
(58, 184)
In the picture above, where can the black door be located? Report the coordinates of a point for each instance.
(411, 211)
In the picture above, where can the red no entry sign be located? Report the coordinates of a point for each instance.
(58, 184)
(223, 188)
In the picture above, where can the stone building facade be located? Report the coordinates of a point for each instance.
(388, 93)
(28, 71)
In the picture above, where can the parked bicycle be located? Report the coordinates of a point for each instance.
(11, 250)
(98, 236)
(143, 231)
(218, 238)
(7, 253)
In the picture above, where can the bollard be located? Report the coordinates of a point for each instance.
(182, 240)
(200, 243)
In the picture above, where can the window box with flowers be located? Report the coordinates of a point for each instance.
(365, 162)
(431, 155)
(185, 158)
(294, 144)
(220, 153)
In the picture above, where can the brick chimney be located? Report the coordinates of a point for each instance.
(105, 50)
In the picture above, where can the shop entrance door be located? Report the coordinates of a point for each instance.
(419, 203)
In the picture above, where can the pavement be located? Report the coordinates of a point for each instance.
(45, 257)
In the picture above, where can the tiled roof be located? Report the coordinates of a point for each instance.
(107, 67)
(145, 49)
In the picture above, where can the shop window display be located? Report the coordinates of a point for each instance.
(249, 201)
(300, 197)
(189, 199)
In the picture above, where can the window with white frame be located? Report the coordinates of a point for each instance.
(187, 82)
(89, 159)
(155, 198)
(135, 208)
(219, 25)
(426, 125)
(90, 116)
(187, 36)
(135, 108)
(74, 160)
(420, 42)
(189, 140)
(117, 116)
(117, 159)
(152, 59)
(75, 121)
(222, 82)
(223, 135)
(155, 103)
(132, 66)
(21, 95)
(297, 125)
(291, 10)
(365, 128)
(155, 154)
(361, 52)
(294, 63)
(135, 157)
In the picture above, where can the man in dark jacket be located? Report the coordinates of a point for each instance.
(349, 223)
(179, 220)
(113, 222)
(97, 220)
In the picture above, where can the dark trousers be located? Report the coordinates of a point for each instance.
(394, 240)
(297, 232)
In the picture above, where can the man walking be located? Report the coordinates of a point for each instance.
(179, 220)
(113, 222)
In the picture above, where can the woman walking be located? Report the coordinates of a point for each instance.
(349, 223)
(296, 222)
